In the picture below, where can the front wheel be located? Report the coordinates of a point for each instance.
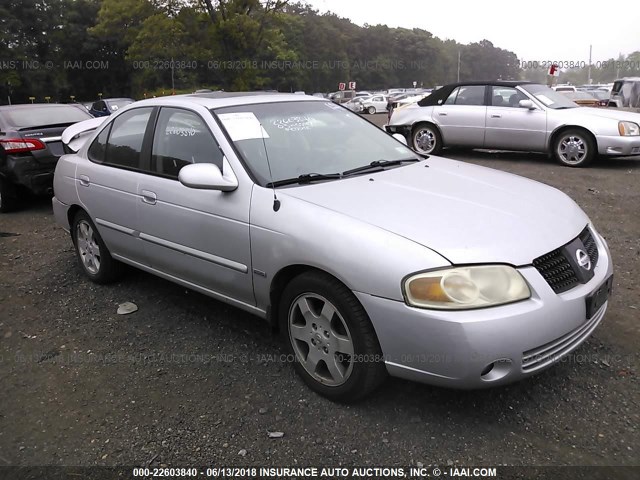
(426, 139)
(334, 345)
(371, 110)
(574, 148)
(93, 255)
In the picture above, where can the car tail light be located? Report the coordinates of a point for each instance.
(21, 145)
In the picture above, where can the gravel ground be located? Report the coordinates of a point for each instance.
(188, 380)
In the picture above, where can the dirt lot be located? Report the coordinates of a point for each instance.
(188, 380)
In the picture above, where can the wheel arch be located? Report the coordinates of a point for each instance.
(280, 281)
(72, 212)
(563, 128)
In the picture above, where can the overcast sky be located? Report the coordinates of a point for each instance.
(533, 30)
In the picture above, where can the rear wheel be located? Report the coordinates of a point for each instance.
(574, 148)
(334, 345)
(93, 256)
(426, 139)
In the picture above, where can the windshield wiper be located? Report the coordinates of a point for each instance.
(378, 165)
(306, 178)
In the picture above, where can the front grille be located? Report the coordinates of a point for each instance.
(556, 269)
(551, 352)
(590, 245)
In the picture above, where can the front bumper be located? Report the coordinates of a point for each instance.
(457, 349)
(404, 130)
(618, 145)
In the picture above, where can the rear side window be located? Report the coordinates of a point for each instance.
(466, 95)
(98, 149)
(181, 138)
(120, 144)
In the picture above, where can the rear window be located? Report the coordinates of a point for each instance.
(45, 115)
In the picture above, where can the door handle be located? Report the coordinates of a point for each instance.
(442, 114)
(149, 197)
(84, 180)
(495, 115)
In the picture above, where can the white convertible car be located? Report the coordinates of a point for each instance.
(516, 116)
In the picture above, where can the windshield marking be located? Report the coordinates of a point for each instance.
(243, 126)
(294, 123)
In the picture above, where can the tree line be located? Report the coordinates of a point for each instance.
(61, 50)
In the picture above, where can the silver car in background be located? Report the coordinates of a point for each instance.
(370, 259)
(516, 116)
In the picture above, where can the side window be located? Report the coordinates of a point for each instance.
(98, 149)
(451, 99)
(181, 138)
(125, 141)
(506, 97)
(470, 95)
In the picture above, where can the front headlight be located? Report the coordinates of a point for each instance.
(462, 288)
(627, 129)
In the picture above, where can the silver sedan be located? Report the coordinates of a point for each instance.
(370, 259)
(516, 116)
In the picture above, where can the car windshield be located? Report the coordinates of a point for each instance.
(549, 97)
(579, 96)
(599, 94)
(116, 104)
(300, 138)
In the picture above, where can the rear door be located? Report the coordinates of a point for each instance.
(199, 236)
(462, 116)
(107, 184)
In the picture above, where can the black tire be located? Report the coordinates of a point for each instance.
(574, 148)
(371, 110)
(8, 196)
(426, 139)
(105, 268)
(364, 370)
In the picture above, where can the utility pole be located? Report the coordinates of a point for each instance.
(458, 65)
(589, 74)
(173, 86)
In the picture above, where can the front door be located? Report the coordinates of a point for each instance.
(511, 127)
(198, 236)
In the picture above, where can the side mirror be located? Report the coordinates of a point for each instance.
(527, 104)
(207, 176)
(400, 138)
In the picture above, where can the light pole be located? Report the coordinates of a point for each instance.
(589, 71)
(458, 65)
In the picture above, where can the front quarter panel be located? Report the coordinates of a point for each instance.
(364, 257)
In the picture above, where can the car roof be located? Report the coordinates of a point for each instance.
(228, 99)
(442, 93)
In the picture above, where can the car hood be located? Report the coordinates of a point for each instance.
(612, 113)
(466, 213)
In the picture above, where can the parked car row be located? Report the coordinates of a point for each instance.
(264, 202)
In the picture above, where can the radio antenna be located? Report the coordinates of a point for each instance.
(276, 202)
